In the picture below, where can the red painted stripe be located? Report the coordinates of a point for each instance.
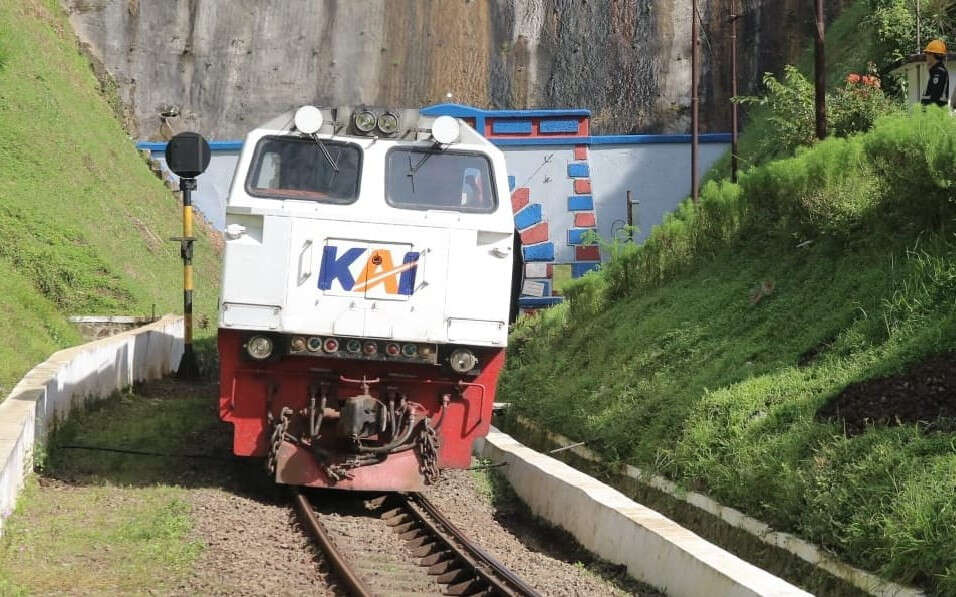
(589, 253)
(580, 152)
(520, 198)
(536, 234)
(582, 186)
(584, 220)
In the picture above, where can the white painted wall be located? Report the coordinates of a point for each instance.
(657, 174)
(68, 379)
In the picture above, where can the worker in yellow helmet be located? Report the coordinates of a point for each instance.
(937, 89)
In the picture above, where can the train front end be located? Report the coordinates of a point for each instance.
(365, 296)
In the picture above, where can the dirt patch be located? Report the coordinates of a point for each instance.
(925, 394)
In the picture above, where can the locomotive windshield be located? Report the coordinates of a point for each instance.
(431, 179)
(298, 168)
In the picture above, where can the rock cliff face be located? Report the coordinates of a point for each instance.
(225, 65)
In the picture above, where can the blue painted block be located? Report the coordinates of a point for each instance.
(501, 127)
(580, 203)
(537, 303)
(528, 216)
(576, 235)
(511, 183)
(542, 252)
(558, 126)
(579, 170)
(579, 269)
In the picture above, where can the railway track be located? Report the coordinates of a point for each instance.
(431, 542)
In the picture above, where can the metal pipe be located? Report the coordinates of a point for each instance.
(733, 90)
(821, 75)
(695, 105)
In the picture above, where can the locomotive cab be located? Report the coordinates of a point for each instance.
(365, 296)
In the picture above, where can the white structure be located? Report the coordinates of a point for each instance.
(365, 234)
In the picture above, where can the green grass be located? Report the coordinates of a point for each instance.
(94, 522)
(692, 354)
(84, 222)
(96, 540)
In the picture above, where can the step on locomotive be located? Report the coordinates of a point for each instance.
(366, 296)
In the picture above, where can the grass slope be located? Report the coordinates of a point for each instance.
(706, 353)
(84, 223)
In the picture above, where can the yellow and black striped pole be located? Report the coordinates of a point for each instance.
(188, 368)
(187, 155)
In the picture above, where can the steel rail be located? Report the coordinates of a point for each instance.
(353, 584)
(499, 578)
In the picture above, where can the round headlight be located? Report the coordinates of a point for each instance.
(353, 346)
(409, 350)
(370, 348)
(462, 360)
(445, 130)
(392, 349)
(388, 123)
(331, 345)
(259, 347)
(315, 344)
(364, 121)
(308, 119)
(297, 344)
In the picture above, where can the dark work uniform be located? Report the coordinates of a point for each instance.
(937, 89)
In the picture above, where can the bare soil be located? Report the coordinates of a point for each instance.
(924, 394)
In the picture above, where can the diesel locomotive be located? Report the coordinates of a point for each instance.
(366, 291)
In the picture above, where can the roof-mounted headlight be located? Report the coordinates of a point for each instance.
(388, 123)
(445, 130)
(364, 121)
(308, 119)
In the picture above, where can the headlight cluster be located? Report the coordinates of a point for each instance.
(357, 348)
(366, 121)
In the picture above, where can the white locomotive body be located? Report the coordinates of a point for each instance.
(406, 241)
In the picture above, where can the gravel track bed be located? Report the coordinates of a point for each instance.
(548, 559)
(376, 553)
(252, 547)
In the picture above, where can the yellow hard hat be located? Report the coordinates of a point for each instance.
(936, 47)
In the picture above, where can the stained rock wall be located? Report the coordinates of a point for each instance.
(222, 66)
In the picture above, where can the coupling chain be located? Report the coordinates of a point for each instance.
(428, 444)
(279, 432)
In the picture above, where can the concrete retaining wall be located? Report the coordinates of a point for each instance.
(655, 549)
(68, 379)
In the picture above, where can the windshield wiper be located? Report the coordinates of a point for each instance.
(325, 151)
(413, 169)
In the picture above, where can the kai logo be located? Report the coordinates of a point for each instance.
(379, 269)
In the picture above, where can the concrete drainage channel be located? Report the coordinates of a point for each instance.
(655, 550)
(68, 379)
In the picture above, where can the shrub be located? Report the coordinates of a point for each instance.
(851, 109)
(915, 156)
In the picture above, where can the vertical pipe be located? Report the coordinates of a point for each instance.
(733, 90)
(821, 77)
(919, 41)
(630, 216)
(694, 105)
